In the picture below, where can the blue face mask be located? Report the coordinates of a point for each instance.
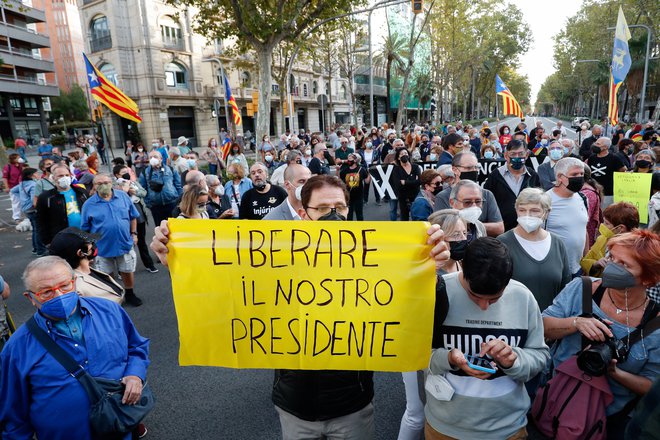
(488, 154)
(556, 154)
(191, 163)
(60, 307)
(517, 162)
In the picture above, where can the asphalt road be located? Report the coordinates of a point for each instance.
(199, 402)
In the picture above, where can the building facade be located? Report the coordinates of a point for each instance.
(24, 86)
(151, 53)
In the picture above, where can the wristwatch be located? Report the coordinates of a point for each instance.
(133, 233)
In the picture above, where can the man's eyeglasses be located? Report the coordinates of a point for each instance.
(468, 203)
(323, 210)
(472, 168)
(51, 292)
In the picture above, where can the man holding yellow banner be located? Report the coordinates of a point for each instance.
(323, 300)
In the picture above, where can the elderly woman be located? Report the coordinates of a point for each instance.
(644, 161)
(539, 257)
(620, 299)
(218, 206)
(455, 229)
(193, 203)
(406, 177)
(236, 186)
(617, 219)
(422, 207)
(78, 248)
(83, 175)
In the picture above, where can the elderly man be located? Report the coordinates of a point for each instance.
(465, 166)
(262, 197)
(467, 197)
(291, 157)
(507, 181)
(603, 165)
(113, 216)
(568, 216)
(177, 161)
(37, 396)
(341, 153)
(546, 170)
(60, 207)
(324, 403)
(317, 164)
(295, 177)
(585, 147)
(163, 185)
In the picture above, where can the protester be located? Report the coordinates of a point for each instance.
(295, 176)
(262, 197)
(568, 216)
(654, 202)
(112, 215)
(620, 305)
(506, 326)
(546, 170)
(128, 183)
(587, 141)
(406, 181)
(236, 156)
(213, 155)
(96, 333)
(177, 161)
(455, 228)
(618, 218)
(78, 248)
(11, 177)
(44, 183)
(508, 180)
(452, 144)
(193, 203)
(25, 193)
(369, 157)
(625, 151)
(592, 192)
(237, 185)
(163, 186)
(644, 161)
(59, 207)
(218, 206)
(467, 197)
(431, 185)
(539, 257)
(355, 178)
(289, 157)
(339, 404)
(83, 175)
(5, 329)
(140, 159)
(317, 165)
(603, 166)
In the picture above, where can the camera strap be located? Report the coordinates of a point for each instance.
(587, 306)
(650, 323)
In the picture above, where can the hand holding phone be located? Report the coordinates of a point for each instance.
(481, 364)
(458, 360)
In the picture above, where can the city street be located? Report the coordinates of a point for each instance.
(200, 402)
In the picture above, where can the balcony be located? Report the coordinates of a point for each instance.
(24, 58)
(27, 85)
(24, 34)
(173, 44)
(100, 43)
(19, 9)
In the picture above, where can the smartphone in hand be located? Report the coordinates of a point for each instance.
(480, 364)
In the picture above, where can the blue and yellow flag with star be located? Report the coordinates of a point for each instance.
(107, 93)
(620, 65)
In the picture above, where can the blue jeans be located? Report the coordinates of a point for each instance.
(213, 169)
(37, 245)
(394, 206)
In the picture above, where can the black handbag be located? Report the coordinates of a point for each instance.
(108, 416)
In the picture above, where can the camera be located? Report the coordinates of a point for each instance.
(595, 359)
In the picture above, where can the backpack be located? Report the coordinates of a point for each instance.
(572, 405)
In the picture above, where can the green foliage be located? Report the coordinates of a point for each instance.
(58, 140)
(71, 104)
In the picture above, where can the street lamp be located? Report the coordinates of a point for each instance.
(63, 123)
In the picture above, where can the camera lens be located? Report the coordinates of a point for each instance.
(595, 359)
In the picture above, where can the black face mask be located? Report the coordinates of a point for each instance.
(350, 163)
(595, 149)
(436, 190)
(404, 159)
(126, 176)
(259, 185)
(470, 175)
(457, 249)
(575, 184)
(332, 215)
(643, 164)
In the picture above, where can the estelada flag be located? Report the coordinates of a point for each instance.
(108, 94)
(511, 106)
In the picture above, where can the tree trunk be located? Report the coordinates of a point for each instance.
(265, 59)
(388, 79)
(403, 100)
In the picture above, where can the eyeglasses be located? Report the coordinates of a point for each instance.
(472, 168)
(468, 203)
(323, 210)
(51, 292)
(518, 155)
(457, 236)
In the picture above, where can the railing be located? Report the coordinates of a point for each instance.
(173, 43)
(24, 53)
(26, 79)
(27, 29)
(100, 43)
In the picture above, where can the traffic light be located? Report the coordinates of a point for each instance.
(417, 6)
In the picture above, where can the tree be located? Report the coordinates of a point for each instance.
(262, 25)
(71, 104)
(391, 55)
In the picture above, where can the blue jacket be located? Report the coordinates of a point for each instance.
(420, 208)
(244, 185)
(37, 395)
(25, 192)
(171, 189)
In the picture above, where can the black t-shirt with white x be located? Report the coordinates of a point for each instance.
(255, 205)
(603, 169)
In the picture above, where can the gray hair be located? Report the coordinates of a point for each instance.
(645, 151)
(318, 147)
(41, 264)
(261, 165)
(563, 165)
(174, 151)
(534, 196)
(555, 142)
(456, 160)
(59, 165)
(110, 176)
(293, 155)
(464, 184)
(447, 219)
(81, 165)
(212, 180)
(607, 141)
(445, 170)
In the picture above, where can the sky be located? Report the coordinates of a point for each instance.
(545, 20)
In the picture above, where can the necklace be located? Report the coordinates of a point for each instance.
(627, 309)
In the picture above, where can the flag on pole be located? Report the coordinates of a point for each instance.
(226, 145)
(232, 103)
(107, 93)
(511, 106)
(620, 65)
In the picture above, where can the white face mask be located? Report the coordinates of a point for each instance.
(433, 157)
(308, 152)
(64, 182)
(269, 158)
(544, 142)
(154, 161)
(529, 223)
(219, 191)
(471, 214)
(299, 192)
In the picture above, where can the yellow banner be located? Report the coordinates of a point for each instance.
(634, 188)
(303, 294)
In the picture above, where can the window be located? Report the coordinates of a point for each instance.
(15, 103)
(99, 34)
(246, 80)
(30, 103)
(170, 31)
(327, 88)
(108, 70)
(176, 76)
(315, 88)
(305, 94)
(342, 90)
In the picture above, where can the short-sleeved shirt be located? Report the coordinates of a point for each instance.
(603, 169)
(72, 211)
(354, 179)
(490, 212)
(342, 154)
(568, 219)
(112, 220)
(255, 205)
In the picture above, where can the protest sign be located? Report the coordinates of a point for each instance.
(303, 294)
(634, 188)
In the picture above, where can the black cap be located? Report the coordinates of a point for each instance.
(69, 240)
